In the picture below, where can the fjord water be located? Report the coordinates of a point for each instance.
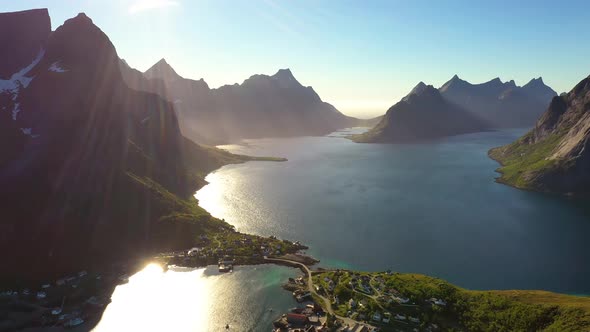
(431, 207)
(199, 300)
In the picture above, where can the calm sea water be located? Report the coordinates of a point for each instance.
(430, 208)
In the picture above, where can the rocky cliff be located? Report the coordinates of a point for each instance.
(555, 155)
(88, 166)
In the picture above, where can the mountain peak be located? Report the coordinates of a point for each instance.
(536, 81)
(79, 42)
(162, 70)
(539, 90)
(420, 89)
(453, 82)
(80, 20)
(161, 62)
(83, 17)
(284, 74)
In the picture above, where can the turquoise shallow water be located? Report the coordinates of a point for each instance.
(430, 208)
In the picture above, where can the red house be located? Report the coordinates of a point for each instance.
(297, 319)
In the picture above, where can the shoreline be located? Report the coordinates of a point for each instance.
(79, 300)
(394, 301)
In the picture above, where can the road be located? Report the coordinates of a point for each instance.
(311, 289)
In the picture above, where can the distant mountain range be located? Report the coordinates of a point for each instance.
(422, 114)
(88, 166)
(501, 105)
(460, 107)
(262, 106)
(555, 155)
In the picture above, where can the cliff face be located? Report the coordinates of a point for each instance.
(554, 156)
(89, 165)
(22, 36)
(422, 114)
(501, 105)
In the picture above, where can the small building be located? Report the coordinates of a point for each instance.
(194, 252)
(297, 319)
(376, 316)
(386, 317)
(358, 328)
(440, 302)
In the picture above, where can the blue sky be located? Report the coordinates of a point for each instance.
(361, 56)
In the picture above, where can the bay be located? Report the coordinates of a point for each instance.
(431, 207)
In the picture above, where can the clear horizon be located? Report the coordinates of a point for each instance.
(360, 57)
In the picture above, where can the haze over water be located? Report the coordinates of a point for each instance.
(430, 208)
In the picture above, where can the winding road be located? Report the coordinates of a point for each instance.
(311, 289)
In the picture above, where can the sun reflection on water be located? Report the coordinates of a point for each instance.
(155, 300)
(203, 300)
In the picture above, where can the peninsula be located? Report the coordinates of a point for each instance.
(389, 301)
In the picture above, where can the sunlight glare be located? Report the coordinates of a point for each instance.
(182, 297)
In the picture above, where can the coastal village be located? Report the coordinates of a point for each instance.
(346, 301)
(78, 299)
(328, 300)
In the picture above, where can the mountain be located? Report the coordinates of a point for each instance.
(555, 155)
(89, 167)
(137, 81)
(536, 88)
(162, 70)
(26, 33)
(502, 105)
(422, 114)
(262, 106)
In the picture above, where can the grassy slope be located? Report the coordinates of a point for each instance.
(514, 310)
(179, 220)
(521, 161)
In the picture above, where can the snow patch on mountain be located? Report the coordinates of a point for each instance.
(13, 85)
(145, 119)
(55, 67)
(15, 111)
(19, 79)
(29, 132)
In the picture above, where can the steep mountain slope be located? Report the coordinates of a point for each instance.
(262, 106)
(137, 81)
(422, 114)
(22, 38)
(502, 105)
(88, 166)
(554, 156)
(536, 88)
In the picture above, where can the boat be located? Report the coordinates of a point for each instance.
(225, 268)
